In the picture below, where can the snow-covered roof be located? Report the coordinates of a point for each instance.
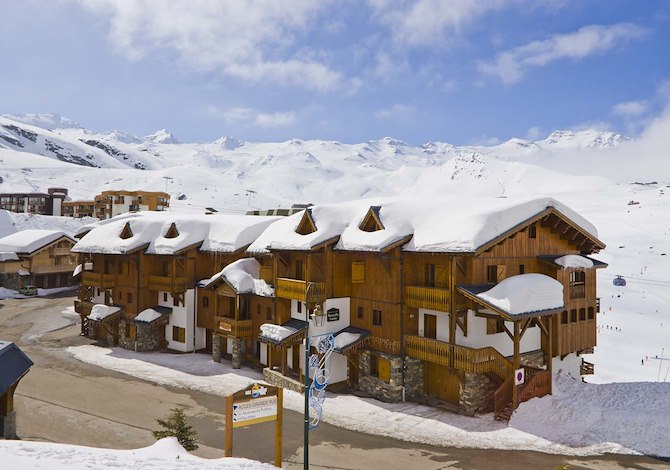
(574, 261)
(150, 314)
(243, 275)
(216, 232)
(8, 256)
(523, 294)
(29, 241)
(437, 225)
(277, 334)
(101, 311)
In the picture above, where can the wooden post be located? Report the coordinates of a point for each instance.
(515, 389)
(550, 321)
(278, 427)
(228, 452)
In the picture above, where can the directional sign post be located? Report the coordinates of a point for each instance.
(255, 404)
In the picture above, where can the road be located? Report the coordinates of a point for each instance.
(65, 400)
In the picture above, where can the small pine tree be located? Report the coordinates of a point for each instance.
(175, 426)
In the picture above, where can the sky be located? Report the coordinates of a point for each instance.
(457, 71)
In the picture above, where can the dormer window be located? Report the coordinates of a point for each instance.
(172, 231)
(126, 232)
(372, 221)
(306, 225)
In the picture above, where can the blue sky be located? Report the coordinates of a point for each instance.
(350, 70)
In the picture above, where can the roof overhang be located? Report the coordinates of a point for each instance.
(550, 261)
(472, 293)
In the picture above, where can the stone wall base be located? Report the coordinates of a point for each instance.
(8, 426)
(216, 347)
(390, 390)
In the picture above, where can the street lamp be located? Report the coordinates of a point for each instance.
(318, 318)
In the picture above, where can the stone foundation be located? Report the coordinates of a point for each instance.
(532, 359)
(8, 426)
(274, 377)
(216, 347)
(390, 391)
(237, 352)
(148, 336)
(473, 392)
(124, 341)
(413, 379)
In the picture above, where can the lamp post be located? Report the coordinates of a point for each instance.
(317, 316)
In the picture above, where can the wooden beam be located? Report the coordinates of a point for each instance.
(525, 326)
(515, 364)
(511, 336)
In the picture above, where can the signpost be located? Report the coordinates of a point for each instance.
(255, 404)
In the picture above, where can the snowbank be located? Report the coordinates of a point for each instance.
(525, 293)
(148, 315)
(635, 415)
(100, 312)
(275, 332)
(165, 454)
(28, 241)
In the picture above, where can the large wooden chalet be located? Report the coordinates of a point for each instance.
(426, 300)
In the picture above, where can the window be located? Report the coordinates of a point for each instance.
(494, 326)
(582, 314)
(166, 268)
(299, 270)
(492, 274)
(357, 272)
(522, 269)
(577, 278)
(165, 296)
(374, 365)
(129, 298)
(377, 317)
(360, 312)
(175, 301)
(564, 317)
(205, 302)
(591, 315)
(268, 313)
(299, 306)
(178, 334)
(573, 315)
(532, 231)
(430, 275)
(98, 291)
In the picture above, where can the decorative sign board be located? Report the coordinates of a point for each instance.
(333, 314)
(255, 404)
(519, 376)
(225, 326)
(254, 411)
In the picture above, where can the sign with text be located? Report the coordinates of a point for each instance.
(254, 411)
(333, 314)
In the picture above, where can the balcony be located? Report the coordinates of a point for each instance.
(53, 268)
(104, 281)
(433, 298)
(295, 289)
(476, 361)
(586, 368)
(61, 252)
(235, 328)
(167, 283)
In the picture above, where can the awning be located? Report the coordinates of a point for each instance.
(285, 333)
(350, 339)
(551, 260)
(518, 297)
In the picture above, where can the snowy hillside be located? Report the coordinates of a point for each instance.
(594, 172)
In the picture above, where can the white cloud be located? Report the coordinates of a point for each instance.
(242, 115)
(275, 119)
(430, 22)
(397, 111)
(630, 108)
(247, 39)
(535, 133)
(510, 66)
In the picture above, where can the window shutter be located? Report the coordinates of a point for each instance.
(440, 276)
(491, 326)
(357, 272)
(501, 272)
(384, 367)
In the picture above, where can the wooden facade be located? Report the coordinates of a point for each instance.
(411, 305)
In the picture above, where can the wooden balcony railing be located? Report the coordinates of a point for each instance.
(433, 298)
(104, 281)
(296, 289)
(52, 268)
(537, 386)
(476, 361)
(237, 328)
(61, 251)
(577, 292)
(167, 283)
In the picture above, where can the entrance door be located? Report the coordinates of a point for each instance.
(439, 383)
(430, 326)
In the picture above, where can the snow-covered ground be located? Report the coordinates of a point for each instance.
(165, 454)
(410, 421)
(13, 294)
